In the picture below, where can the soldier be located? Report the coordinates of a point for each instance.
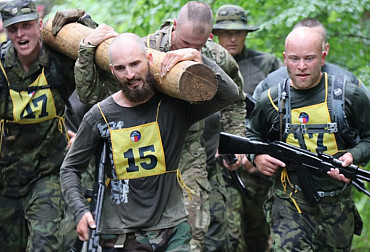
(248, 229)
(143, 208)
(307, 210)
(176, 34)
(185, 32)
(35, 85)
(280, 74)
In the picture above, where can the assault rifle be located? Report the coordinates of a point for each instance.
(96, 204)
(293, 155)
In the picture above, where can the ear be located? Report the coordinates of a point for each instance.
(149, 57)
(323, 57)
(111, 69)
(327, 48)
(174, 24)
(40, 24)
(285, 58)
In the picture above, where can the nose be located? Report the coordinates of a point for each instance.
(129, 73)
(19, 32)
(302, 64)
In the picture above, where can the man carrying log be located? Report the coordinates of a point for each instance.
(193, 163)
(143, 203)
(35, 83)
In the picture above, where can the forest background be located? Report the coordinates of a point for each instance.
(347, 23)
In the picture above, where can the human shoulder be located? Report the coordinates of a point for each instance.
(333, 69)
(219, 55)
(160, 39)
(255, 54)
(266, 62)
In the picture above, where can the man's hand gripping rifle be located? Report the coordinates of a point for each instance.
(231, 144)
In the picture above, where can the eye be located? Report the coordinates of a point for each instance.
(309, 58)
(294, 59)
(12, 29)
(119, 68)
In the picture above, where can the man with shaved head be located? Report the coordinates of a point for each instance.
(308, 210)
(191, 29)
(143, 206)
(332, 69)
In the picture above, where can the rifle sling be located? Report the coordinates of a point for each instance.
(305, 181)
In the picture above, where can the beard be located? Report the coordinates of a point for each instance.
(141, 93)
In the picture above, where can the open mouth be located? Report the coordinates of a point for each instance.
(134, 83)
(23, 43)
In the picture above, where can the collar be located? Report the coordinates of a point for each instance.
(43, 60)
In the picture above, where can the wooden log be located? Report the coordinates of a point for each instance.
(187, 80)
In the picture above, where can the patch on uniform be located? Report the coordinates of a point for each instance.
(338, 91)
(135, 136)
(303, 117)
(31, 94)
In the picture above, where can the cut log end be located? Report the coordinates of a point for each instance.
(198, 83)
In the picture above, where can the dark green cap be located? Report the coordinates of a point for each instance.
(17, 11)
(232, 17)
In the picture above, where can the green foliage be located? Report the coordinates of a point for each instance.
(347, 23)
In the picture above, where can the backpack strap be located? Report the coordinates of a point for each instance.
(346, 134)
(55, 80)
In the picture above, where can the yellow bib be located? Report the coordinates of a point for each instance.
(33, 106)
(310, 115)
(137, 151)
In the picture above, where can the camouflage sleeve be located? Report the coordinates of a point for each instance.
(233, 116)
(92, 85)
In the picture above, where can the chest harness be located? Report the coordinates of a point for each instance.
(318, 128)
(138, 151)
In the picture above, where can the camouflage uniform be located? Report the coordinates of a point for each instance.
(248, 229)
(327, 225)
(31, 154)
(193, 158)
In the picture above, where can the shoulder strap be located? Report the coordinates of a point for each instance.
(3, 80)
(346, 134)
(55, 80)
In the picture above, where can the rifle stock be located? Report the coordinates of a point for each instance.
(231, 144)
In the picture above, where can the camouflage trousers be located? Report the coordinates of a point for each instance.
(194, 173)
(217, 236)
(326, 226)
(32, 222)
(176, 239)
(247, 226)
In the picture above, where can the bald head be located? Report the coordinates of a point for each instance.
(304, 37)
(304, 57)
(128, 43)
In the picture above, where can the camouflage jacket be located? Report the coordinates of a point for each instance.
(233, 116)
(255, 66)
(32, 151)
